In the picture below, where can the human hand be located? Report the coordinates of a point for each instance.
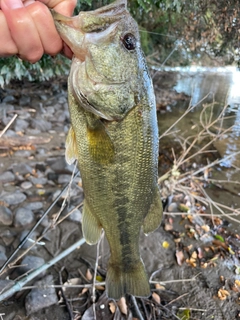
(27, 28)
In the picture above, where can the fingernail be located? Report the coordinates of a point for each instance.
(13, 4)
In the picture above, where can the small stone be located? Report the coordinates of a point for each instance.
(35, 180)
(76, 215)
(7, 176)
(6, 216)
(3, 257)
(23, 153)
(24, 101)
(34, 205)
(39, 299)
(13, 198)
(8, 237)
(21, 125)
(31, 263)
(21, 168)
(23, 217)
(64, 178)
(26, 185)
(41, 124)
(10, 133)
(8, 99)
(173, 207)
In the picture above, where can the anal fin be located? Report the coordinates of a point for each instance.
(90, 226)
(154, 216)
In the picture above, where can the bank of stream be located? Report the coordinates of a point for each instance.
(193, 256)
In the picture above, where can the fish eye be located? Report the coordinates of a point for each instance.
(129, 41)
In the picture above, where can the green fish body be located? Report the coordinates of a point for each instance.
(114, 137)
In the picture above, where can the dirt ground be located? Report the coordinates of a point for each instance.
(193, 260)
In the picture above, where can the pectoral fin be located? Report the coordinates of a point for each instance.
(71, 147)
(154, 216)
(100, 145)
(90, 226)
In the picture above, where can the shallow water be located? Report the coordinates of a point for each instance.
(205, 86)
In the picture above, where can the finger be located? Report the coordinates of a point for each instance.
(9, 48)
(50, 39)
(65, 7)
(23, 30)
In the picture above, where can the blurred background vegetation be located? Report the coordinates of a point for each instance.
(173, 32)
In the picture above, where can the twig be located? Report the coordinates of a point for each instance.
(68, 193)
(34, 227)
(8, 125)
(64, 296)
(19, 284)
(193, 309)
(138, 313)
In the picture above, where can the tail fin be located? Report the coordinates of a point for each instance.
(133, 281)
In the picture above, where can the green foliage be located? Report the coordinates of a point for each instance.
(175, 31)
(46, 68)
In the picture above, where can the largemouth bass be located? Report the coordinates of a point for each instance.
(114, 137)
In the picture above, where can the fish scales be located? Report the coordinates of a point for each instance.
(114, 137)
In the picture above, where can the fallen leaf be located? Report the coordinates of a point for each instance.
(122, 305)
(158, 286)
(206, 228)
(222, 294)
(89, 275)
(168, 227)
(180, 257)
(237, 282)
(112, 306)
(218, 237)
(156, 297)
(184, 315)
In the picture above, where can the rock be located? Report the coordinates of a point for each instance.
(7, 176)
(23, 217)
(21, 125)
(173, 207)
(26, 185)
(24, 101)
(41, 124)
(10, 133)
(76, 215)
(6, 216)
(39, 299)
(3, 257)
(21, 168)
(64, 178)
(8, 99)
(33, 132)
(8, 237)
(29, 242)
(2, 249)
(35, 180)
(34, 206)
(31, 263)
(23, 153)
(60, 165)
(13, 198)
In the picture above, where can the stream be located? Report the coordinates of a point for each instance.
(205, 86)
